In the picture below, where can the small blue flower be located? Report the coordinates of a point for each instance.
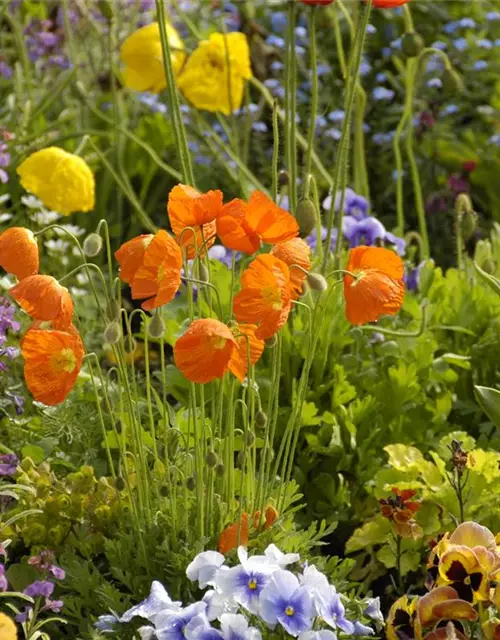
(439, 44)
(450, 27)
(371, 29)
(484, 43)
(480, 65)
(277, 65)
(396, 44)
(386, 52)
(460, 44)
(492, 16)
(467, 23)
(323, 69)
(276, 41)
(301, 32)
(435, 83)
(361, 629)
(321, 121)
(336, 116)
(279, 21)
(364, 68)
(381, 77)
(381, 93)
(495, 139)
(396, 241)
(449, 109)
(285, 602)
(259, 127)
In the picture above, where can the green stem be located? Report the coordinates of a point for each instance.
(314, 90)
(292, 106)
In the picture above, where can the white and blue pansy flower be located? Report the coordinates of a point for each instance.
(279, 558)
(172, 625)
(321, 634)
(156, 603)
(236, 627)
(332, 611)
(283, 601)
(204, 568)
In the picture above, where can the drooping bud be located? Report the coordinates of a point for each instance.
(92, 245)
(468, 224)
(261, 418)
(204, 274)
(250, 438)
(306, 215)
(191, 483)
(271, 342)
(317, 282)
(156, 327)
(283, 179)
(241, 458)
(106, 8)
(113, 310)
(112, 333)
(412, 44)
(120, 483)
(452, 82)
(220, 470)
(211, 459)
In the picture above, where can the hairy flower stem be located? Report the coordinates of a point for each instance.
(314, 92)
(291, 106)
(173, 98)
(343, 148)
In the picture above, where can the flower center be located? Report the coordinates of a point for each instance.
(64, 361)
(218, 342)
(289, 611)
(359, 276)
(272, 295)
(252, 584)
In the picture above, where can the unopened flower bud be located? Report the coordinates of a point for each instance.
(250, 438)
(247, 10)
(283, 179)
(164, 491)
(204, 274)
(156, 327)
(191, 483)
(211, 459)
(412, 44)
(220, 470)
(112, 333)
(92, 245)
(261, 419)
(241, 458)
(120, 483)
(452, 82)
(317, 282)
(271, 342)
(106, 8)
(489, 265)
(306, 215)
(468, 224)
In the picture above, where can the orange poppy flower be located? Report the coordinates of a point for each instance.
(131, 255)
(187, 207)
(228, 539)
(388, 4)
(19, 252)
(43, 298)
(203, 353)
(247, 344)
(242, 226)
(265, 297)
(294, 252)
(53, 360)
(159, 275)
(378, 288)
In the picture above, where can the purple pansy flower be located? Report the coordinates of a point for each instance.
(172, 624)
(284, 601)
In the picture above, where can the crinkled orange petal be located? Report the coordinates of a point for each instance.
(187, 207)
(294, 252)
(19, 252)
(371, 296)
(388, 4)
(130, 256)
(233, 229)
(271, 515)
(383, 260)
(271, 223)
(43, 298)
(53, 360)
(228, 539)
(203, 353)
(203, 237)
(455, 609)
(248, 345)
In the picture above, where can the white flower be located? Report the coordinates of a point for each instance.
(278, 557)
(235, 627)
(323, 634)
(58, 245)
(317, 583)
(204, 568)
(45, 217)
(32, 202)
(5, 217)
(218, 604)
(146, 633)
(72, 228)
(156, 603)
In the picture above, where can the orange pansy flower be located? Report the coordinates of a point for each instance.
(242, 226)
(159, 276)
(131, 255)
(294, 252)
(247, 345)
(43, 298)
(378, 288)
(228, 539)
(203, 353)
(52, 362)
(265, 297)
(19, 252)
(187, 207)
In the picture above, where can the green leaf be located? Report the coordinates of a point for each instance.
(33, 451)
(489, 401)
(376, 531)
(490, 280)
(464, 362)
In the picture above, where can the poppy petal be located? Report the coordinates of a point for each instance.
(232, 229)
(249, 348)
(271, 223)
(43, 298)
(19, 252)
(130, 256)
(295, 252)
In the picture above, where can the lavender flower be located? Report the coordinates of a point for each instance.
(8, 464)
(45, 562)
(39, 588)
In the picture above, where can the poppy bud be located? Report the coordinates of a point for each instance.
(106, 8)
(241, 458)
(468, 223)
(271, 342)
(113, 310)
(191, 483)
(283, 179)
(261, 419)
(489, 265)
(317, 282)
(412, 44)
(211, 459)
(204, 275)
(452, 82)
(247, 11)
(156, 327)
(250, 438)
(220, 470)
(120, 483)
(112, 333)
(306, 215)
(92, 245)
(164, 491)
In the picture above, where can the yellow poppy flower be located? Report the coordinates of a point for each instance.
(8, 629)
(142, 56)
(62, 180)
(207, 82)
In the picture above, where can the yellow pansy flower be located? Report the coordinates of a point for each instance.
(62, 180)
(142, 56)
(208, 81)
(8, 629)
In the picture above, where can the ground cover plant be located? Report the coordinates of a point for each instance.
(249, 319)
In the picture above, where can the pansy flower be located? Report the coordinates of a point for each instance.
(53, 360)
(187, 207)
(19, 252)
(265, 297)
(296, 253)
(442, 603)
(43, 298)
(243, 226)
(376, 286)
(204, 351)
(249, 348)
(461, 569)
(283, 600)
(401, 619)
